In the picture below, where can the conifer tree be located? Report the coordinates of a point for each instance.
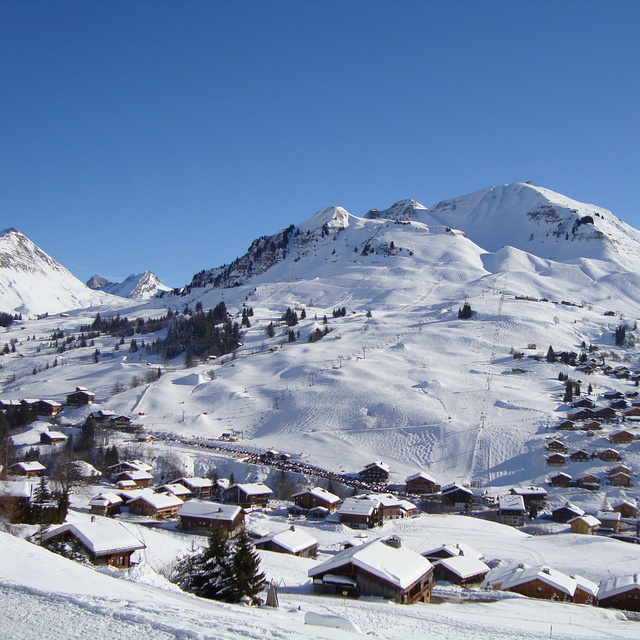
(248, 580)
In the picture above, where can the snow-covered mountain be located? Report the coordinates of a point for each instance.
(139, 287)
(31, 282)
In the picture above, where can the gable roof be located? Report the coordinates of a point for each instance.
(616, 586)
(420, 475)
(552, 577)
(293, 541)
(358, 506)
(254, 489)
(320, 493)
(464, 566)
(400, 567)
(209, 510)
(158, 500)
(29, 466)
(101, 536)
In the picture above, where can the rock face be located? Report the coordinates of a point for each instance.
(139, 287)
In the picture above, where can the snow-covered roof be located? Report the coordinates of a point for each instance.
(209, 510)
(590, 521)
(57, 435)
(529, 491)
(159, 500)
(586, 585)
(498, 575)
(16, 488)
(254, 489)
(464, 566)
(616, 586)
(608, 515)
(552, 577)
(293, 541)
(195, 482)
(134, 465)
(358, 506)
(401, 567)
(101, 536)
(105, 499)
(378, 463)
(176, 489)
(421, 475)
(33, 465)
(137, 475)
(455, 487)
(319, 492)
(511, 502)
(132, 494)
(571, 507)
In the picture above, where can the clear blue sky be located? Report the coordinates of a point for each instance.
(168, 135)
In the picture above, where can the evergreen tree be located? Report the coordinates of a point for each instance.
(551, 354)
(248, 580)
(465, 312)
(270, 330)
(568, 394)
(620, 335)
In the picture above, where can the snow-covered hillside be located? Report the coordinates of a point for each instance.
(139, 287)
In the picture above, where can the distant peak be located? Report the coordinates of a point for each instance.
(400, 209)
(9, 230)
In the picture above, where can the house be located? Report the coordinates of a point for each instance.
(567, 425)
(200, 488)
(622, 437)
(631, 414)
(579, 415)
(146, 437)
(392, 507)
(609, 455)
(626, 509)
(511, 510)
(586, 590)
(612, 395)
(127, 465)
(561, 480)
(583, 403)
(609, 520)
(155, 505)
(248, 496)
(360, 513)
(80, 397)
(204, 516)
(580, 456)
(567, 512)
(619, 404)
(52, 437)
(500, 573)
(421, 482)
(462, 570)
(375, 473)
(105, 504)
(316, 497)
(104, 541)
(376, 569)
(592, 426)
(606, 414)
(47, 408)
(15, 497)
(451, 551)
(585, 525)
(177, 489)
(557, 459)
(141, 479)
(557, 446)
(621, 593)
(292, 541)
(31, 469)
(589, 481)
(540, 582)
(621, 468)
(620, 479)
(457, 496)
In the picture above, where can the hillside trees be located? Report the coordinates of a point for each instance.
(620, 334)
(465, 312)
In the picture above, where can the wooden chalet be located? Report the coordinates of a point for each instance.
(557, 446)
(556, 460)
(316, 497)
(155, 505)
(202, 516)
(461, 570)
(618, 405)
(456, 496)
(621, 593)
(105, 504)
(451, 551)
(360, 513)
(583, 403)
(80, 397)
(609, 455)
(141, 479)
(612, 395)
(567, 512)
(249, 495)
(620, 468)
(606, 414)
(375, 473)
(15, 497)
(629, 414)
(420, 483)
(591, 426)
(567, 425)
(52, 437)
(200, 488)
(103, 540)
(48, 408)
(586, 590)
(540, 582)
(533, 496)
(585, 525)
(620, 479)
(127, 465)
(291, 541)
(609, 521)
(561, 480)
(622, 437)
(511, 510)
(590, 481)
(626, 509)
(376, 569)
(580, 456)
(31, 469)
(176, 489)
(580, 415)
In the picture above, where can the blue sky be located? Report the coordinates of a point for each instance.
(168, 135)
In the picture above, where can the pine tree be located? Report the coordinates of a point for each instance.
(568, 394)
(551, 354)
(465, 312)
(248, 580)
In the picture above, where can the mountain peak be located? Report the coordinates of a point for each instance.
(403, 209)
(137, 286)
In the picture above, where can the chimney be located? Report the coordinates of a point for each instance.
(93, 518)
(394, 541)
(293, 527)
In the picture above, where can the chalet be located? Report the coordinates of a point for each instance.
(606, 414)
(567, 512)
(632, 413)
(580, 456)
(248, 496)
(626, 509)
(540, 582)
(462, 570)
(80, 397)
(146, 437)
(500, 573)
(392, 507)
(204, 516)
(421, 483)
(557, 460)
(567, 425)
(621, 593)
(48, 408)
(589, 481)
(316, 497)
(583, 403)
(586, 591)
(141, 479)
(292, 541)
(592, 426)
(128, 465)
(31, 469)
(585, 525)
(619, 405)
(533, 496)
(155, 505)
(622, 437)
(631, 394)
(200, 487)
(609, 455)
(511, 510)
(612, 395)
(360, 513)
(621, 468)
(102, 416)
(104, 541)
(557, 446)
(561, 480)
(620, 479)
(451, 551)
(610, 520)
(15, 497)
(176, 489)
(375, 473)
(457, 496)
(52, 437)
(579, 415)
(106, 504)
(376, 569)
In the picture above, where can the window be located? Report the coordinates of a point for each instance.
(538, 589)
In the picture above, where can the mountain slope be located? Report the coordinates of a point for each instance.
(139, 287)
